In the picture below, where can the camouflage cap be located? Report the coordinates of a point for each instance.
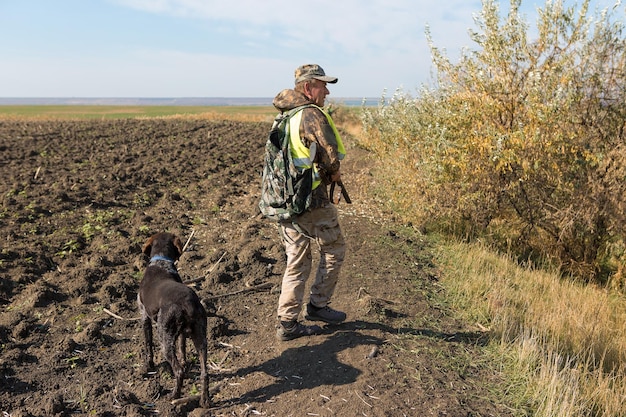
(313, 71)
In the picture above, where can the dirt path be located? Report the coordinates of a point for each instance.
(80, 198)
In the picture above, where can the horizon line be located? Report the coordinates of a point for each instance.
(207, 101)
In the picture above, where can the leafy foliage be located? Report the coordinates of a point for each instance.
(521, 141)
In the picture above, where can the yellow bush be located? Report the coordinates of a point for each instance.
(520, 142)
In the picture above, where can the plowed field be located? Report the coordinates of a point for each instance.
(79, 199)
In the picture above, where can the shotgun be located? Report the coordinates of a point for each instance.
(344, 192)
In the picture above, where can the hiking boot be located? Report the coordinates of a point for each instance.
(325, 314)
(289, 330)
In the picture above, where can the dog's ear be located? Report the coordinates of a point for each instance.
(147, 247)
(178, 245)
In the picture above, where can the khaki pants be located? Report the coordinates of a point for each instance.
(322, 225)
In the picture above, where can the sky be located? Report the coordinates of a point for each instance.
(227, 48)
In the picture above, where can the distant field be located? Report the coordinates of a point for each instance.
(46, 112)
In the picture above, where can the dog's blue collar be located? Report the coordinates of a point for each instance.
(160, 258)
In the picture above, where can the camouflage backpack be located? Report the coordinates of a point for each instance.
(285, 190)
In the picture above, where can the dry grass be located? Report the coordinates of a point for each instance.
(566, 340)
(236, 113)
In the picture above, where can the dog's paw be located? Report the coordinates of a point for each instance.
(147, 369)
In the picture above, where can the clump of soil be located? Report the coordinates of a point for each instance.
(79, 199)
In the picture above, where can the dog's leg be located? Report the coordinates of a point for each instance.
(147, 333)
(199, 341)
(177, 368)
(146, 323)
(169, 332)
(182, 350)
(169, 351)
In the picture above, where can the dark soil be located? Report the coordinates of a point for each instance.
(79, 199)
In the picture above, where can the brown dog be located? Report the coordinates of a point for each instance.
(175, 308)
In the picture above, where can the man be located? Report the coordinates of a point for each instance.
(319, 223)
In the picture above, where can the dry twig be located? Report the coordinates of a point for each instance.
(481, 327)
(185, 400)
(366, 403)
(218, 366)
(373, 352)
(264, 286)
(112, 314)
(188, 240)
(192, 281)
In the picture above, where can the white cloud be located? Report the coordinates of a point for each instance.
(233, 48)
(371, 44)
(354, 27)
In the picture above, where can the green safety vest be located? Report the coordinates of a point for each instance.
(300, 154)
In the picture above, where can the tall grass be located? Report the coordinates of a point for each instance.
(522, 145)
(564, 340)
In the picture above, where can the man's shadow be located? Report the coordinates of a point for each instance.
(309, 366)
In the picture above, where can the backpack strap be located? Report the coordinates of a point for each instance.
(287, 114)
